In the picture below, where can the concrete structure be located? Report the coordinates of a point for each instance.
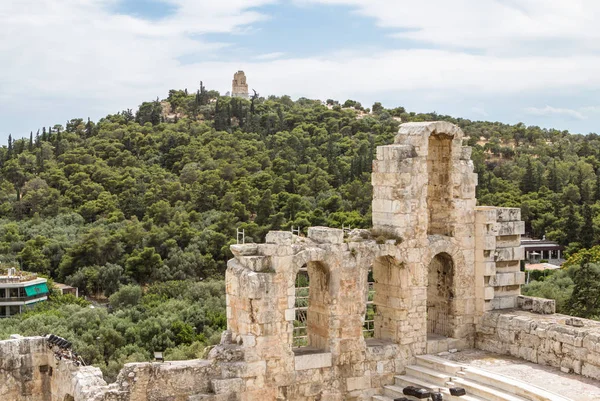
(66, 289)
(239, 87)
(20, 290)
(542, 249)
(442, 274)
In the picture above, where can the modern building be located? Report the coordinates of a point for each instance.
(19, 291)
(542, 249)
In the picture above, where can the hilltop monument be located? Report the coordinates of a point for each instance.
(239, 87)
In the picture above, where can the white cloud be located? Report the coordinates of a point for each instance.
(555, 111)
(79, 53)
(484, 24)
(270, 56)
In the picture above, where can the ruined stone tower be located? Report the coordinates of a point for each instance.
(239, 87)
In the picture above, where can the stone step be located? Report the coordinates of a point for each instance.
(381, 398)
(429, 375)
(438, 364)
(509, 385)
(486, 392)
(392, 392)
(396, 392)
(406, 380)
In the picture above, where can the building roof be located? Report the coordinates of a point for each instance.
(540, 245)
(541, 266)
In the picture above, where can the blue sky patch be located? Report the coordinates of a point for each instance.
(146, 9)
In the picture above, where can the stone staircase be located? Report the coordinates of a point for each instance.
(438, 375)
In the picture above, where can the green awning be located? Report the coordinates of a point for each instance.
(36, 289)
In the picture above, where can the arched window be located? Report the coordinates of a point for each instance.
(300, 335)
(311, 307)
(440, 295)
(369, 325)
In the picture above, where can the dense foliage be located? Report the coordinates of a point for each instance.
(180, 318)
(159, 196)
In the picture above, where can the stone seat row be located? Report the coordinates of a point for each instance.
(439, 375)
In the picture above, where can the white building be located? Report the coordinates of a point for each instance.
(19, 291)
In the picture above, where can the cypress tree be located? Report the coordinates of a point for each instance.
(587, 230)
(553, 183)
(571, 223)
(528, 183)
(597, 192)
(88, 128)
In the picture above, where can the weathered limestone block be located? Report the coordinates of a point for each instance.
(511, 228)
(227, 386)
(256, 263)
(507, 279)
(506, 254)
(508, 214)
(312, 361)
(326, 235)
(244, 249)
(255, 284)
(279, 237)
(465, 153)
(395, 152)
(536, 305)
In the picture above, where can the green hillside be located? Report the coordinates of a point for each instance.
(154, 199)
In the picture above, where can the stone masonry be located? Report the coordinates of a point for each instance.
(239, 87)
(443, 271)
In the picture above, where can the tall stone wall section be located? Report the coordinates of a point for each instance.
(424, 193)
(498, 256)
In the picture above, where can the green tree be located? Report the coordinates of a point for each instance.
(585, 299)
(142, 265)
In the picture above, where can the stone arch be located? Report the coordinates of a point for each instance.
(316, 304)
(440, 295)
(307, 255)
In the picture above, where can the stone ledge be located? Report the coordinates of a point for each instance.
(536, 305)
(326, 235)
(313, 361)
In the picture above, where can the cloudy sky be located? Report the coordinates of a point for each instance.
(535, 61)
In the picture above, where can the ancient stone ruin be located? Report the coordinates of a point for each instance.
(337, 315)
(239, 87)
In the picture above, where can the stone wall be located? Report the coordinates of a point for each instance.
(29, 372)
(21, 378)
(550, 340)
(498, 255)
(424, 193)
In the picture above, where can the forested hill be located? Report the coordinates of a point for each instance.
(158, 195)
